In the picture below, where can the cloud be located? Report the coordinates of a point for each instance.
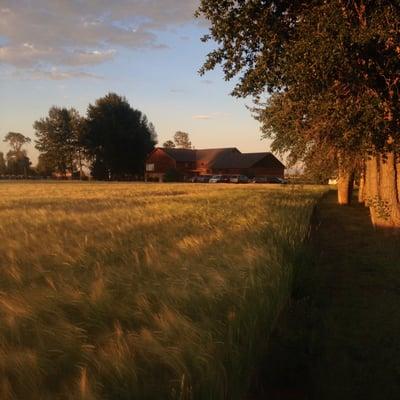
(207, 82)
(210, 116)
(201, 117)
(76, 33)
(177, 91)
(53, 74)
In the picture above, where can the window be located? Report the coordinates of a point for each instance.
(149, 167)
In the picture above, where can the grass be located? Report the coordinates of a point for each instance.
(338, 338)
(355, 347)
(134, 291)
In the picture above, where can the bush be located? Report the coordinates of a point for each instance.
(173, 175)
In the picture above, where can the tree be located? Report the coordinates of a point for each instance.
(45, 166)
(169, 144)
(182, 141)
(59, 137)
(331, 70)
(3, 167)
(16, 141)
(117, 139)
(18, 162)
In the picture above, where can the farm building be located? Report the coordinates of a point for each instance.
(226, 161)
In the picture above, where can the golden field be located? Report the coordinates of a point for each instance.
(142, 291)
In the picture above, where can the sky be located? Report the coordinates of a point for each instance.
(68, 53)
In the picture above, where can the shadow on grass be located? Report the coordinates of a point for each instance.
(339, 336)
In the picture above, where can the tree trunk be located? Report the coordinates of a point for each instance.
(389, 207)
(80, 165)
(371, 186)
(345, 184)
(397, 161)
(361, 186)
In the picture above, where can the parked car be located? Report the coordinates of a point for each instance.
(219, 179)
(201, 179)
(239, 179)
(268, 179)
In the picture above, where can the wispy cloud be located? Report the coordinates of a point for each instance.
(54, 74)
(213, 115)
(177, 91)
(206, 82)
(201, 117)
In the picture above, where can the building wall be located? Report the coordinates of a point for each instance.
(161, 162)
(186, 168)
(252, 172)
(278, 172)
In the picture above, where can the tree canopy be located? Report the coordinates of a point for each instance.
(59, 138)
(343, 55)
(16, 140)
(325, 75)
(18, 162)
(182, 140)
(117, 138)
(169, 144)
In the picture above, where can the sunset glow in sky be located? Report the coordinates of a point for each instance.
(70, 52)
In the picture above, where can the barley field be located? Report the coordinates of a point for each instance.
(142, 291)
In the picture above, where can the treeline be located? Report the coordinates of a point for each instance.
(110, 143)
(112, 140)
(325, 77)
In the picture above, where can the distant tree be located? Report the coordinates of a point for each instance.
(18, 162)
(169, 144)
(3, 166)
(118, 138)
(59, 140)
(16, 140)
(44, 167)
(182, 141)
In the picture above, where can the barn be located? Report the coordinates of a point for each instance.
(226, 161)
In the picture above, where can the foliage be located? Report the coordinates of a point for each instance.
(169, 144)
(3, 167)
(45, 166)
(331, 69)
(18, 162)
(59, 140)
(142, 292)
(118, 138)
(173, 175)
(182, 140)
(16, 141)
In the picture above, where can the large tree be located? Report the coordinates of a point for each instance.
(59, 140)
(118, 138)
(331, 70)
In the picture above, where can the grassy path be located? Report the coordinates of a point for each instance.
(356, 312)
(340, 336)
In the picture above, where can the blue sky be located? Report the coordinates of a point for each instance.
(54, 52)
